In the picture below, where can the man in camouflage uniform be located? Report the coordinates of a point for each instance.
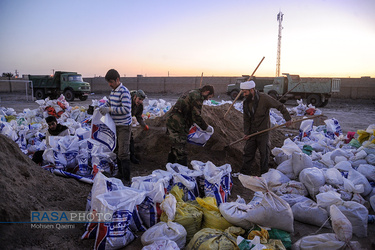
(184, 113)
(137, 110)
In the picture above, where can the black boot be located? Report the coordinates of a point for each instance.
(171, 157)
(119, 170)
(134, 159)
(125, 169)
(183, 161)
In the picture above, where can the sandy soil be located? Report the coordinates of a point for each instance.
(26, 187)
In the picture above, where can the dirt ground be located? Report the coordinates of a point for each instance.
(26, 187)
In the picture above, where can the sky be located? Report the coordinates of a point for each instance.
(327, 38)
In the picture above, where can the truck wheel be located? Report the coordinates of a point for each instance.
(233, 94)
(314, 99)
(39, 94)
(324, 103)
(83, 97)
(69, 96)
(273, 94)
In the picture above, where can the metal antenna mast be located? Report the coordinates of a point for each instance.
(280, 16)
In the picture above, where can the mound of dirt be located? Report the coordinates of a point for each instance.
(26, 187)
(152, 146)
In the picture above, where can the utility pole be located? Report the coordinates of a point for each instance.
(280, 16)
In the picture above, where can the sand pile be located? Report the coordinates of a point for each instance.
(153, 146)
(26, 187)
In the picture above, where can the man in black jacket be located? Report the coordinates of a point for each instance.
(137, 110)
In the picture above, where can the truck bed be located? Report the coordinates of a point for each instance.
(316, 85)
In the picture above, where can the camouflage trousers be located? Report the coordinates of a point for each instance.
(177, 131)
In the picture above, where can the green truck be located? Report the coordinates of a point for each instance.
(234, 88)
(316, 91)
(70, 84)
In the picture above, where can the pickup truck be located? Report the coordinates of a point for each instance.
(234, 88)
(70, 84)
(316, 91)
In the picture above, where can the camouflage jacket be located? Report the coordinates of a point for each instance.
(137, 111)
(187, 109)
(256, 112)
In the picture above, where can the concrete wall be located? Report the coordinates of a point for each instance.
(163, 84)
(354, 88)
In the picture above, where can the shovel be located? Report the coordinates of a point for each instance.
(239, 94)
(268, 129)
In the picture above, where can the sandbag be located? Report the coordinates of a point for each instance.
(370, 158)
(321, 241)
(212, 218)
(236, 213)
(272, 211)
(313, 179)
(212, 239)
(344, 166)
(357, 214)
(187, 215)
(368, 171)
(162, 245)
(325, 200)
(333, 177)
(340, 224)
(275, 178)
(309, 212)
(166, 230)
(292, 187)
(217, 181)
(286, 168)
(358, 178)
(185, 178)
(198, 136)
(103, 129)
(120, 204)
(300, 161)
(292, 199)
(148, 210)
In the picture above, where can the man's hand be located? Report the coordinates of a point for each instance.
(288, 123)
(146, 128)
(104, 110)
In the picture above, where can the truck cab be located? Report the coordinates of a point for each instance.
(234, 88)
(278, 87)
(70, 84)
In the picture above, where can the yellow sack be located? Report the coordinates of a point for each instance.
(263, 235)
(177, 192)
(212, 217)
(209, 238)
(273, 244)
(187, 215)
(363, 136)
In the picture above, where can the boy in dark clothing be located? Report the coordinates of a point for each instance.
(54, 129)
